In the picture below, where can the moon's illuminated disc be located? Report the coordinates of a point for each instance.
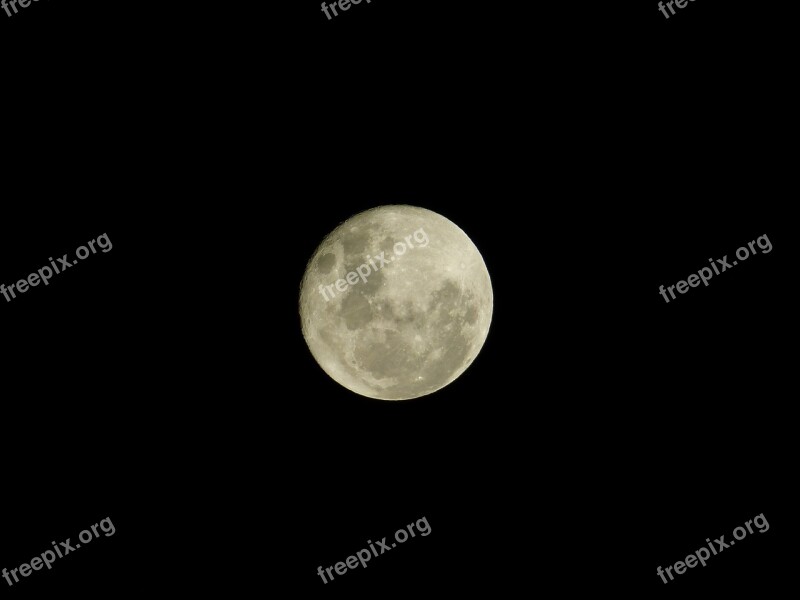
(396, 303)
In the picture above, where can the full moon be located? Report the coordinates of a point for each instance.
(396, 303)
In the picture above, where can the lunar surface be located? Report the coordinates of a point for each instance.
(396, 303)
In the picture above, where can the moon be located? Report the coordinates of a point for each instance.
(396, 303)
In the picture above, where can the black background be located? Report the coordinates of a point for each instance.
(591, 153)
